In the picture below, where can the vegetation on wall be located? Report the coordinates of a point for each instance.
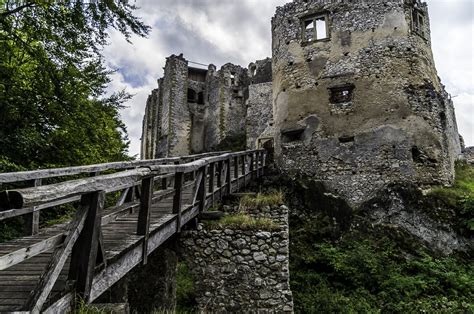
(356, 267)
(53, 79)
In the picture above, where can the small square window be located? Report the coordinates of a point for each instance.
(341, 94)
(315, 28)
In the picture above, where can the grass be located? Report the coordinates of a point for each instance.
(261, 200)
(457, 200)
(244, 222)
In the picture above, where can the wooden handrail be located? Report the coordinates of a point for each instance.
(12, 177)
(29, 197)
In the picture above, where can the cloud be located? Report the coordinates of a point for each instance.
(209, 31)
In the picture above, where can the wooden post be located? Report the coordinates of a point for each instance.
(236, 171)
(31, 220)
(228, 178)
(143, 225)
(220, 167)
(202, 193)
(178, 197)
(244, 168)
(85, 251)
(252, 166)
(164, 183)
(211, 182)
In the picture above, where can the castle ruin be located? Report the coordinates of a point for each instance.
(351, 98)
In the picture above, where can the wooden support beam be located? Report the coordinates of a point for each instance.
(244, 169)
(212, 168)
(202, 193)
(220, 166)
(178, 197)
(86, 250)
(143, 225)
(228, 179)
(252, 166)
(42, 290)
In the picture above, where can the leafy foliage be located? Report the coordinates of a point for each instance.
(367, 269)
(456, 203)
(52, 82)
(185, 290)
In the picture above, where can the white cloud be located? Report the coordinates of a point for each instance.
(218, 32)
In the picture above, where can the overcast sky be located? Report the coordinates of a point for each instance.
(239, 31)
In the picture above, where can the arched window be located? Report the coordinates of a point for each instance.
(191, 95)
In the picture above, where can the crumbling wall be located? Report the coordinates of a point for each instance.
(259, 124)
(241, 271)
(151, 125)
(358, 104)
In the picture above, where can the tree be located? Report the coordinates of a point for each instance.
(53, 108)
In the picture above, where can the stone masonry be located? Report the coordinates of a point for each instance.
(241, 271)
(357, 102)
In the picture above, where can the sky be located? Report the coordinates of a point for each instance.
(239, 31)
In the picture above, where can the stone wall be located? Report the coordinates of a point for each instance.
(241, 271)
(362, 106)
(259, 114)
(468, 155)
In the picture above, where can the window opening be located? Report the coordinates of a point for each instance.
(321, 30)
(191, 95)
(232, 78)
(200, 100)
(315, 28)
(341, 94)
(418, 22)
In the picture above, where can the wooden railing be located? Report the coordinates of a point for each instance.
(37, 178)
(208, 176)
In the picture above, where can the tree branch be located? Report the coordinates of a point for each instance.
(16, 10)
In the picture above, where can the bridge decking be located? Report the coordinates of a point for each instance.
(25, 260)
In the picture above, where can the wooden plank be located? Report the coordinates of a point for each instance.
(40, 294)
(63, 305)
(20, 255)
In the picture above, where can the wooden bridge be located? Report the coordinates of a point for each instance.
(153, 200)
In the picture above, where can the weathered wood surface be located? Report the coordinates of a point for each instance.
(116, 237)
(70, 171)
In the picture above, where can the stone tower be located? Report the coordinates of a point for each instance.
(357, 102)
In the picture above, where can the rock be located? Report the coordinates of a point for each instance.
(259, 257)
